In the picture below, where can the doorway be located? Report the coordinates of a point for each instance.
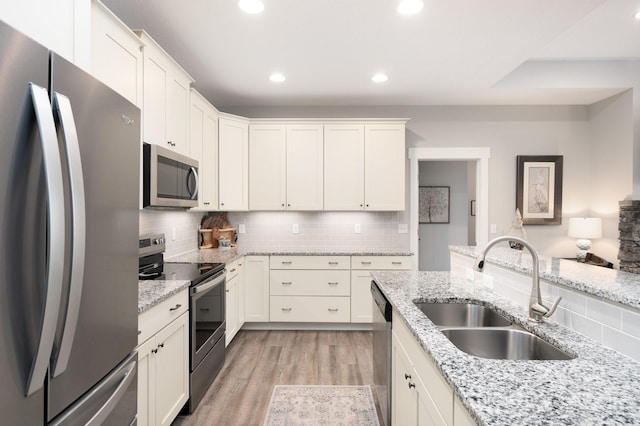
(479, 157)
(452, 182)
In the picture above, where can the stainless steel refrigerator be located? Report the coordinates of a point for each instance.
(69, 194)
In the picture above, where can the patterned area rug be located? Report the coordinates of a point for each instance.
(322, 405)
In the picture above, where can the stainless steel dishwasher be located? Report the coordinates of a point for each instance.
(382, 352)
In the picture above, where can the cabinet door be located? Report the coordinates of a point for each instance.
(305, 167)
(267, 167)
(154, 94)
(428, 414)
(241, 294)
(344, 167)
(231, 314)
(146, 383)
(361, 301)
(256, 280)
(233, 172)
(172, 370)
(384, 167)
(116, 58)
(203, 146)
(178, 112)
(404, 404)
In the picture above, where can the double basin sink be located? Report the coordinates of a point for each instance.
(481, 331)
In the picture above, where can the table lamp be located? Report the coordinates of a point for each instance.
(584, 228)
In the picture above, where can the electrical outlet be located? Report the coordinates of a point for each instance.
(357, 228)
(470, 274)
(241, 229)
(403, 228)
(493, 228)
(295, 228)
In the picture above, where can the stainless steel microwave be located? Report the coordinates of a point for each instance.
(169, 179)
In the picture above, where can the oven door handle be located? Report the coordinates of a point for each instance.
(207, 285)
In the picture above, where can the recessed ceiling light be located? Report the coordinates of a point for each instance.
(251, 6)
(410, 7)
(379, 78)
(277, 78)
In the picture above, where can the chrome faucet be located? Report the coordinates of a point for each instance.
(537, 311)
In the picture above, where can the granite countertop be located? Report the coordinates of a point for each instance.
(233, 253)
(150, 293)
(599, 386)
(613, 285)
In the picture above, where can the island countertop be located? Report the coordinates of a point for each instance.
(599, 386)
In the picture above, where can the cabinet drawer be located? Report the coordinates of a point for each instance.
(310, 283)
(309, 309)
(310, 262)
(233, 268)
(158, 317)
(381, 262)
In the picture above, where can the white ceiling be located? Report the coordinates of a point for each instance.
(452, 53)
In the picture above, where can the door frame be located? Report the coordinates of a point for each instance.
(481, 156)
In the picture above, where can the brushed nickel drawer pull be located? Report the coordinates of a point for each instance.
(333, 263)
(287, 262)
(396, 263)
(233, 270)
(286, 282)
(286, 309)
(366, 263)
(333, 309)
(333, 283)
(175, 308)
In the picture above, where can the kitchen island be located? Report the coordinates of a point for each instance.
(599, 386)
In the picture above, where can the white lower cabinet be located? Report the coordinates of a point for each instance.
(163, 361)
(256, 288)
(420, 395)
(361, 269)
(234, 315)
(310, 289)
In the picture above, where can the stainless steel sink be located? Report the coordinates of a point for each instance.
(462, 315)
(503, 344)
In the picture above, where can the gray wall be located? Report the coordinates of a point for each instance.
(435, 238)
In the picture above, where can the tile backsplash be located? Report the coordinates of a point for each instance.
(275, 229)
(319, 229)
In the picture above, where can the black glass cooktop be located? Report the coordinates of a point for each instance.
(194, 272)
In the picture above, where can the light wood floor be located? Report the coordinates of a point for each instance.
(258, 360)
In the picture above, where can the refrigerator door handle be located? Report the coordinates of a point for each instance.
(62, 107)
(55, 236)
(194, 194)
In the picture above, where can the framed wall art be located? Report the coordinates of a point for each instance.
(433, 204)
(539, 189)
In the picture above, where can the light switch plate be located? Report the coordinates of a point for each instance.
(493, 228)
(241, 228)
(295, 228)
(357, 228)
(403, 228)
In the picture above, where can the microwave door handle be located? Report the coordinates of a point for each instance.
(62, 107)
(55, 236)
(194, 193)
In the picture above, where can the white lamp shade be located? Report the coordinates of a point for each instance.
(585, 227)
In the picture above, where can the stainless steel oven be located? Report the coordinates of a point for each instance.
(207, 301)
(207, 314)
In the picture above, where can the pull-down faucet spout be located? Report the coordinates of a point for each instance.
(537, 311)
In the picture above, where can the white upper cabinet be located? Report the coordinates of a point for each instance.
(116, 55)
(344, 167)
(63, 26)
(267, 167)
(285, 166)
(233, 171)
(166, 90)
(384, 164)
(305, 167)
(203, 146)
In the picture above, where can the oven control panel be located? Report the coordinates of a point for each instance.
(150, 244)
